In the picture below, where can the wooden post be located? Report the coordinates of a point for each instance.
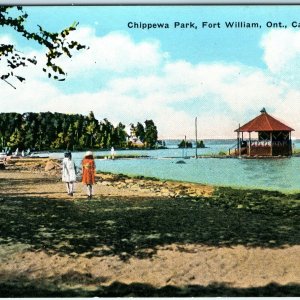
(196, 137)
(238, 141)
(185, 146)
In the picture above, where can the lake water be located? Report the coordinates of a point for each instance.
(275, 174)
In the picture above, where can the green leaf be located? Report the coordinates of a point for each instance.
(20, 78)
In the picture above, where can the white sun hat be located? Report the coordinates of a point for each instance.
(88, 153)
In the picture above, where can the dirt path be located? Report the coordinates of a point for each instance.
(172, 265)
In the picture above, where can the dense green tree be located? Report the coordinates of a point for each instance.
(40, 132)
(8, 124)
(16, 140)
(77, 129)
(200, 144)
(106, 131)
(46, 131)
(108, 141)
(81, 144)
(59, 142)
(91, 129)
(29, 127)
(119, 136)
(70, 138)
(185, 144)
(140, 131)
(5, 130)
(150, 139)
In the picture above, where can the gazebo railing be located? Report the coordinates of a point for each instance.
(268, 143)
(264, 148)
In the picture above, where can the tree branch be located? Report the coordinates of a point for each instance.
(9, 83)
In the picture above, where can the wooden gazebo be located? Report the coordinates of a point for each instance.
(273, 137)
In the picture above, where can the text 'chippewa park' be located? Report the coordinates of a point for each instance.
(211, 25)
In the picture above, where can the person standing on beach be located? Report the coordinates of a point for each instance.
(69, 173)
(88, 172)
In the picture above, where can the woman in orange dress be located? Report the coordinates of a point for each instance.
(88, 172)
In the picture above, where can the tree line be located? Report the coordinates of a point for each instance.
(58, 131)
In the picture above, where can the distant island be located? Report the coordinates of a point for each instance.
(187, 144)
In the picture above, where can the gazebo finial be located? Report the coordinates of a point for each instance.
(263, 111)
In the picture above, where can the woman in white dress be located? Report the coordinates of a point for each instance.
(69, 173)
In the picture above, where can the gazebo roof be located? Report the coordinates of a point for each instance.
(264, 122)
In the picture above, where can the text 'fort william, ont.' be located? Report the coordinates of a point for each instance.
(210, 25)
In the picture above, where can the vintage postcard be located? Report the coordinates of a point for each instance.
(149, 150)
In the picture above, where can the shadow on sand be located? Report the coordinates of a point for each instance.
(129, 227)
(117, 289)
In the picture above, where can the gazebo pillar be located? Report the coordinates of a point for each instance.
(271, 139)
(249, 143)
(239, 142)
(290, 144)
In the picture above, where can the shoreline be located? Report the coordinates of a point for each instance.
(39, 164)
(146, 186)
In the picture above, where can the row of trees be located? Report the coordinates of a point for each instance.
(57, 131)
(147, 134)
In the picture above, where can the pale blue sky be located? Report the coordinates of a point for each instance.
(195, 46)
(240, 45)
(224, 76)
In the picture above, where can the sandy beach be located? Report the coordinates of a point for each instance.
(47, 249)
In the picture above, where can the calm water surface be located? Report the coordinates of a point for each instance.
(281, 174)
(275, 174)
